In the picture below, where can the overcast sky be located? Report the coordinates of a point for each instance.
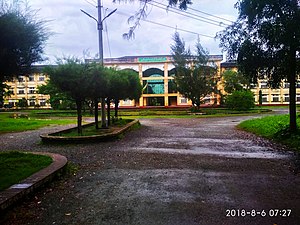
(75, 34)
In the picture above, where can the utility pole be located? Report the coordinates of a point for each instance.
(100, 43)
(100, 29)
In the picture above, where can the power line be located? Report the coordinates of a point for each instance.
(199, 11)
(190, 15)
(91, 3)
(164, 25)
(208, 14)
(106, 30)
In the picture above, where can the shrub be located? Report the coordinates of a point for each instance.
(240, 100)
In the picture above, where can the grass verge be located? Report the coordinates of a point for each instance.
(16, 122)
(34, 119)
(275, 128)
(16, 166)
(91, 130)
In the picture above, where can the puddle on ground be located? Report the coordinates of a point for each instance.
(229, 154)
(232, 148)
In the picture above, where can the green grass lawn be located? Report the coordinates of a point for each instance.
(34, 119)
(275, 128)
(16, 166)
(183, 113)
(16, 122)
(91, 130)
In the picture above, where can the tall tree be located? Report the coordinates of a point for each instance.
(71, 76)
(22, 39)
(99, 77)
(265, 40)
(195, 79)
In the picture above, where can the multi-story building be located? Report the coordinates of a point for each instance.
(270, 96)
(157, 77)
(25, 87)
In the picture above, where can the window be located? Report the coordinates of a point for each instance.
(298, 98)
(252, 86)
(31, 90)
(21, 91)
(286, 85)
(31, 78)
(275, 98)
(264, 98)
(264, 85)
(154, 86)
(183, 101)
(286, 98)
(32, 102)
(21, 79)
(41, 78)
(43, 102)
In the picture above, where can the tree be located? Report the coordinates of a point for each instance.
(260, 98)
(22, 103)
(125, 84)
(241, 100)
(22, 39)
(265, 40)
(71, 76)
(58, 99)
(99, 77)
(233, 81)
(194, 78)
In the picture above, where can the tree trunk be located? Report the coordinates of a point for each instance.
(116, 108)
(79, 116)
(1, 93)
(108, 111)
(292, 90)
(197, 103)
(96, 102)
(103, 114)
(91, 107)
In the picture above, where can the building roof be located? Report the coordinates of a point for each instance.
(229, 64)
(146, 59)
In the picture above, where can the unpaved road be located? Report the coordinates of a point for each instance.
(170, 172)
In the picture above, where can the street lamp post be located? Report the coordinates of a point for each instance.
(100, 43)
(100, 29)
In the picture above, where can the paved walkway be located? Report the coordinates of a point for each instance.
(171, 171)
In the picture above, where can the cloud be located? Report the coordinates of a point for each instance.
(75, 33)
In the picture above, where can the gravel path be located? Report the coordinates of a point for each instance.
(170, 171)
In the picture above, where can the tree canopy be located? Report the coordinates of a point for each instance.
(81, 81)
(194, 77)
(22, 39)
(265, 40)
(233, 81)
(71, 77)
(58, 99)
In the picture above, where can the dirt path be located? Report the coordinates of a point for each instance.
(170, 171)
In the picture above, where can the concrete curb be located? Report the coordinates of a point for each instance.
(16, 192)
(51, 138)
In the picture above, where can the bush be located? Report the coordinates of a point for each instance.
(240, 100)
(22, 103)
